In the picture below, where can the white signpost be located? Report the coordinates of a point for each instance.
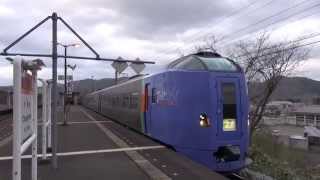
(25, 113)
(46, 117)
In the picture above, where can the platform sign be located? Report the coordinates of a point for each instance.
(26, 109)
(119, 66)
(137, 66)
(69, 77)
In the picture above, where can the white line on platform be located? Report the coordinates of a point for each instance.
(144, 164)
(90, 152)
(85, 122)
(80, 122)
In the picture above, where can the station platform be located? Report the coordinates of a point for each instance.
(93, 147)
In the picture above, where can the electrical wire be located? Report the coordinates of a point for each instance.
(278, 21)
(274, 15)
(174, 47)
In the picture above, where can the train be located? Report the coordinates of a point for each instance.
(197, 105)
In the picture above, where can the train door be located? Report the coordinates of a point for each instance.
(229, 108)
(147, 109)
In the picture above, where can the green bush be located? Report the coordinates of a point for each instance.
(277, 160)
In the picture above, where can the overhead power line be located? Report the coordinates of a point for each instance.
(309, 36)
(260, 21)
(225, 18)
(274, 15)
(294, 47)
(296, 20)
(232, 14)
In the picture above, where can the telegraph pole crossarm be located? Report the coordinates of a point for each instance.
(54, 55)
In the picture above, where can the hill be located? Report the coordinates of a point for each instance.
(293, 88)
(290, 88)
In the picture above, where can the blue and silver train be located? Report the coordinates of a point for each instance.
(198, 106)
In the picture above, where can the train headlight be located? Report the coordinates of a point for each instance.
(204, 120)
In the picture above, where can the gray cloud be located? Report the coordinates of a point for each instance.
(127, 28)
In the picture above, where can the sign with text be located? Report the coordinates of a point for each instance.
(119, 66)
(69, 77)
(26, 109)
(137, 67)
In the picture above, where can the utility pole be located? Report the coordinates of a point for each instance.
(54, 55)
(65, 46)
(65, 88)
(54, 136)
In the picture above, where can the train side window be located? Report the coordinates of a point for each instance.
(154, 95)
(114, 101)
(133, 101)
(118, 101)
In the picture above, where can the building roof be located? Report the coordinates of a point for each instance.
(277, 103)
(313, 109)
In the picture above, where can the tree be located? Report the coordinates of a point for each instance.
(267, 63)
(208, 44)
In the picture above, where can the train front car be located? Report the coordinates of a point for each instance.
(199, 106)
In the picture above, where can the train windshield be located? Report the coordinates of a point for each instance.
(218, 64)
(204, 64)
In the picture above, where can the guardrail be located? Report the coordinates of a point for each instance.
(46, 117)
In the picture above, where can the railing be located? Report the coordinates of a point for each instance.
(46, 117)
(291, 120)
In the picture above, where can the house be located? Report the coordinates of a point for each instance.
(278, 107)
(307, 115)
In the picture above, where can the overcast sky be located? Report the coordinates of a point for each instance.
(151, 30)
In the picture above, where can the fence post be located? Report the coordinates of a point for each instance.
(49, 114)
(34, 169)
(44, 119)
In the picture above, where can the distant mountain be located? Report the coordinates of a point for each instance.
(290, 88)
(297, 87)
(293, 88)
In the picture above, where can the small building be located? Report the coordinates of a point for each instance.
(307, 115)
(278, 107)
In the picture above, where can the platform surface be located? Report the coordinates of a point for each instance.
(93, 147)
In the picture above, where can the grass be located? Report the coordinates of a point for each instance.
(277, 160)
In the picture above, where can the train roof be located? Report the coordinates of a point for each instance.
(204, 60)
(131, 79)
(208, 61)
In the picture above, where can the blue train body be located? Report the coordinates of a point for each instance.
(202, 114)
